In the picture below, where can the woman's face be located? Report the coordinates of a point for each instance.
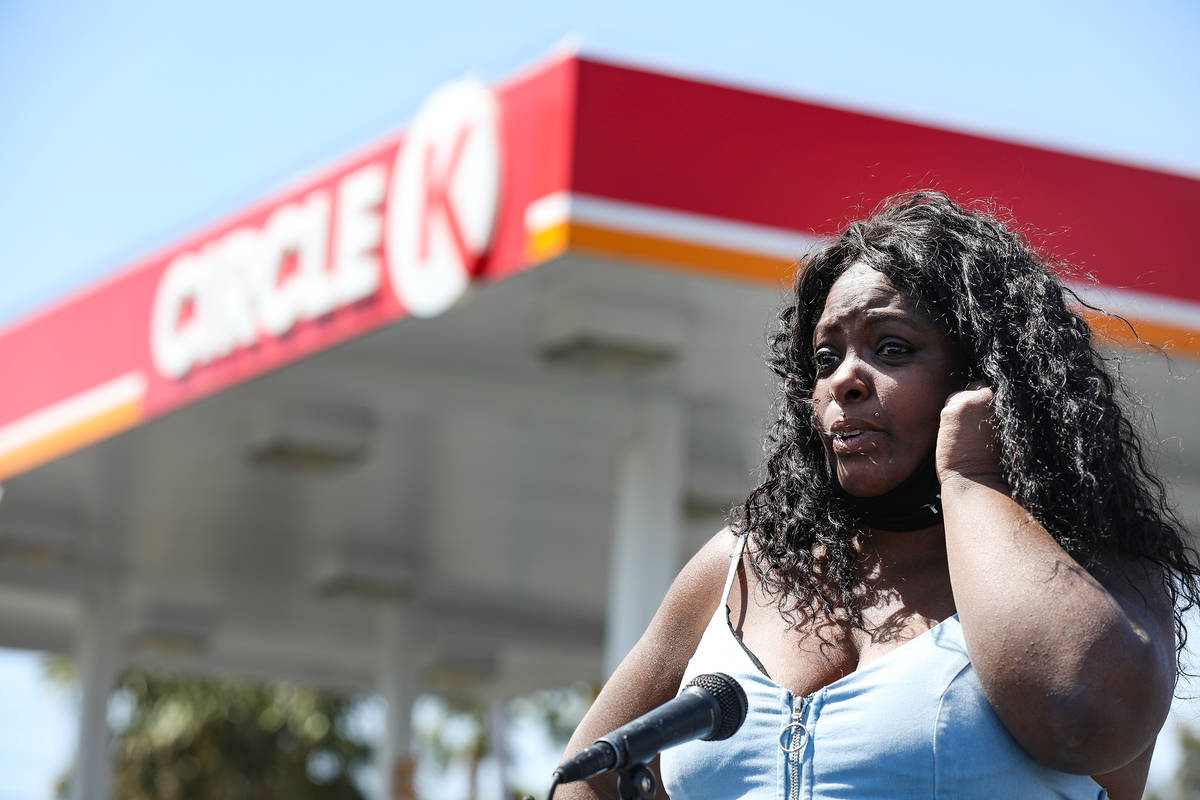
(884, 371)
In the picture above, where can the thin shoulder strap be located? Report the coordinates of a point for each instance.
(735, 558)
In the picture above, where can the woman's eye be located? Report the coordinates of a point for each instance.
(893, 349)
(824, 360)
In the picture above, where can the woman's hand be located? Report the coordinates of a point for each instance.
(1079, 669)
(966, 443)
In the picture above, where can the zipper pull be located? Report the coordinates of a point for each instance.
(794, 735)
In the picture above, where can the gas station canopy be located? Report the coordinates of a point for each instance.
(453, 411)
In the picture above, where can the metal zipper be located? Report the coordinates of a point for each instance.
(797, 736)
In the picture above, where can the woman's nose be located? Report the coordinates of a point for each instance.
(847, 384)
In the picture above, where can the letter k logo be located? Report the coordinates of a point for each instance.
(437, 202)
(441, 212)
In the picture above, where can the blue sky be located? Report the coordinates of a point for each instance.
(37, 738)
(128, 124)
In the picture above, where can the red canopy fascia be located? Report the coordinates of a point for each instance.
(661, 170)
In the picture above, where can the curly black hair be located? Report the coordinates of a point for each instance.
(1071, 456)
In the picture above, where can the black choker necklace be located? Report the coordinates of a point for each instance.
(914, 504)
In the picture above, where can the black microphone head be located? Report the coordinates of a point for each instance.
(731, 698)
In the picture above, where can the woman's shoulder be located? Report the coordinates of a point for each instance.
(657, 662)
(712, 559)
(699, 584)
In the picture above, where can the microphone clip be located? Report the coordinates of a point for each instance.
(637, 782)
(634, 782)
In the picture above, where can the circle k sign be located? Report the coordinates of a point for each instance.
(320, 250)
(444, 199)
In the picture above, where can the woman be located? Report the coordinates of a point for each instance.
(958, 578)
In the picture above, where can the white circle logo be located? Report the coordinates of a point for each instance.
(445, 192)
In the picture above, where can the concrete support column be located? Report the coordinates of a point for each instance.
(398, 665)
(498, 744)
(648, 525)
(99, 658)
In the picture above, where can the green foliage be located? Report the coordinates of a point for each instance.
(190, 738)
(560, 710)
(1185, 785)
(452, 734)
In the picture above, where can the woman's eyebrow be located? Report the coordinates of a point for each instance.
(874, 316)
(908, 318)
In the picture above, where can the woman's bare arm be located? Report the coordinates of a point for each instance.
(649, 676)
(1080, 670)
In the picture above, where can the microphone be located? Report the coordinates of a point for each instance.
(710, 708)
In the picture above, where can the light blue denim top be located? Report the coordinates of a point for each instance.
(913, 724)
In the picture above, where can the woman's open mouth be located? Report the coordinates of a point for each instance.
(855, 440)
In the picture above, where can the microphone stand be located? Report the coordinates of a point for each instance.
(636, 782)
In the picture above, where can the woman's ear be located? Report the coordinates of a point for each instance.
(960, 376)
(965, 370)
